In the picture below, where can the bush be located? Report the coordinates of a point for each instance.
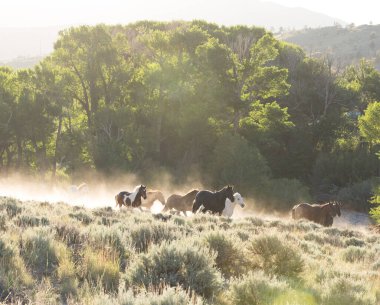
(168, 296)
(253, 289)
(41, 252)
(66, 275)
(101, 267)
(354, 254)
(230, 259)
(13, 275)
(354, 242)
(69, 234)
(179, 263)
(142, 236)
(3, 221)
(31, 221)
(275, 257)
(12, 207)
(109, 240)
(343, 291)
(82, 217)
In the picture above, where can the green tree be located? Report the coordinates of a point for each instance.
(269, 128)
(369, 126)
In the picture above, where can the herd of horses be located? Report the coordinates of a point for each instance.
(220, 202)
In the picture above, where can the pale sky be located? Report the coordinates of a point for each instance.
(36, 13)
(351, 11)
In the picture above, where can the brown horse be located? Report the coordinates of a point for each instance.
(181, 203)
(322, 214)
(151, 197)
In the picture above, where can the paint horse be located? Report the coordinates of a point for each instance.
(230, 206)
(322, 214)
(214, 202)
(131, 199)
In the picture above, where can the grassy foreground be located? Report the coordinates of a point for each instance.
(60, 254)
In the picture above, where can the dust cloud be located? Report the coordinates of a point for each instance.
(90, 191)
(99, 191)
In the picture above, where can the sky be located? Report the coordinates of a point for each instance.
(357, 12)
(37, 13)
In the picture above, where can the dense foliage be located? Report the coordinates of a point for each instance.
(193, 99)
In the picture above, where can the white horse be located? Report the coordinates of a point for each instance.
(78, 190)
(230, 206)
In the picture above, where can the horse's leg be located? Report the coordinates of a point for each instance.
(165, 208)
(196, 206)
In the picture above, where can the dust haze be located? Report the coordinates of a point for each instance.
(100, 190)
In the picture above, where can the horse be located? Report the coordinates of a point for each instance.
(230, 206)
(80, 189)
(152, 196)
(323, 214)
(181, 203)
(215, 202)
(131, 199)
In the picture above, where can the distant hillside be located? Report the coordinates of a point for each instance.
(346, 44)
(22, 62)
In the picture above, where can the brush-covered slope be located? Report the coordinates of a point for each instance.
(345, 44)
(56, 253)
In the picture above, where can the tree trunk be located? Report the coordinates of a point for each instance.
(56, 148)
(19, 153)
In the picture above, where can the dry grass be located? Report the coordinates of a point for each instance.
(56, 253)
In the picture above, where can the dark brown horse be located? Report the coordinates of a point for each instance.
(131, 199)
(151, 197)
(322, 214)
(214, 202)
(181, 203)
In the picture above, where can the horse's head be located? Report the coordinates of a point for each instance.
(335, 209)
(142, 191)
(229, 192)
(239, 199)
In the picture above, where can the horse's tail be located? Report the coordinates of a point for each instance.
(294, 213)
(117, 200)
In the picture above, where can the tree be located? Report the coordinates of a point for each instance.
(268, 127)
(369, 123)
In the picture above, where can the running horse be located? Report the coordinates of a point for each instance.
(151, 197)
(230, 206)
(131, 199)
(322, 214)
(214, 202)
(181, 203)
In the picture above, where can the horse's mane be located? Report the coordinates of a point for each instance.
(136, 188)
(82, 185)
(189, 193)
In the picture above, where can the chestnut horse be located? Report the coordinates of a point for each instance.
(322, 214)
(131, 199)
(151, 197)
(181, 203)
